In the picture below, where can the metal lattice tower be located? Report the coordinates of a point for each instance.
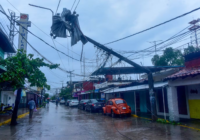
(12, 29)
(194, 29)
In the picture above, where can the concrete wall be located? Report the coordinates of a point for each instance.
(10, 97)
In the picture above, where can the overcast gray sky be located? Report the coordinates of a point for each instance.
(104, 21)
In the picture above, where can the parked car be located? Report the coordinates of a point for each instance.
(94, 105)
(68, 101)
(62, 101)
(74, 102)
(82, 103)
(117, 106)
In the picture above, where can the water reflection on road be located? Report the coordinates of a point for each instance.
(66, 123)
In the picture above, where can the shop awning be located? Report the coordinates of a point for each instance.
(134, 88)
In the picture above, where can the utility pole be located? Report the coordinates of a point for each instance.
(12, 29)
(155, 44)
(145, 70)
(194, 28)
(70, 76)
(84, 66)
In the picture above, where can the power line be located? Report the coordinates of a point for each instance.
(46, 33)
(58, 6)
(153, 26)
(77, 5)
(161, 42)
(13, 6)
(73, 4)
(33, 47)
(58, 54)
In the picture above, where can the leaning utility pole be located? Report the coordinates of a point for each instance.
(145, 70)
(84, 39)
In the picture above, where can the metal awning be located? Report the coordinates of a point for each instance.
(130, 70)
(5, 43)
(134, 88)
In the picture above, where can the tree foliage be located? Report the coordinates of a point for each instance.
(46, 95)
(191, 49)
(170, 57)
(66, 93)
(23, 66)
(53, 97)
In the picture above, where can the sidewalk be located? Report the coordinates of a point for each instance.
(189, 123)
(6, 117)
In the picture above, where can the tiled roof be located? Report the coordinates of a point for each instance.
(185, 73)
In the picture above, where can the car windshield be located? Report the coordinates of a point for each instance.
(75, 100)
(94, 101)
(85, 100)
(120, 102)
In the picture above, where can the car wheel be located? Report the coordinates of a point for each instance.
(113, 114)
(90, 110)
(85, 109)
(103, 113)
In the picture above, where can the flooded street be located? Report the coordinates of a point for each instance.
(66, 123)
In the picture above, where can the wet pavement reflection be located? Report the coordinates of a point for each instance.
(66, 123)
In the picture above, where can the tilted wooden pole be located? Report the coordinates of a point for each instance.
(150, 77)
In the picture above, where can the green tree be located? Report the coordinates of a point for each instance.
(46, 95)
(170, 57)
(66, 93)
(191, 49)
(19, 68)
(53, 97)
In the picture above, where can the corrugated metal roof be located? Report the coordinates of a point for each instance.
(134, 88)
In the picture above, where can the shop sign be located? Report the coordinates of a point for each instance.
(96, 91)
(103, 95)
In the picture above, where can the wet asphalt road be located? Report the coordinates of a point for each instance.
(65, 123)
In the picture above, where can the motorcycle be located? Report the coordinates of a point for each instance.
(6, 110)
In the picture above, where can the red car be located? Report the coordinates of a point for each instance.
(117, 106)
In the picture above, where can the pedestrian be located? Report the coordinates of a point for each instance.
(47, 102)
(57, 102)
(32, 106)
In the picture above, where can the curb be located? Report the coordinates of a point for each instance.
(18, 117)
(135, 116)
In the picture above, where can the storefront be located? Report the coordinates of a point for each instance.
(137, 97)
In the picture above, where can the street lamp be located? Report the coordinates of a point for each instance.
(43, 8)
